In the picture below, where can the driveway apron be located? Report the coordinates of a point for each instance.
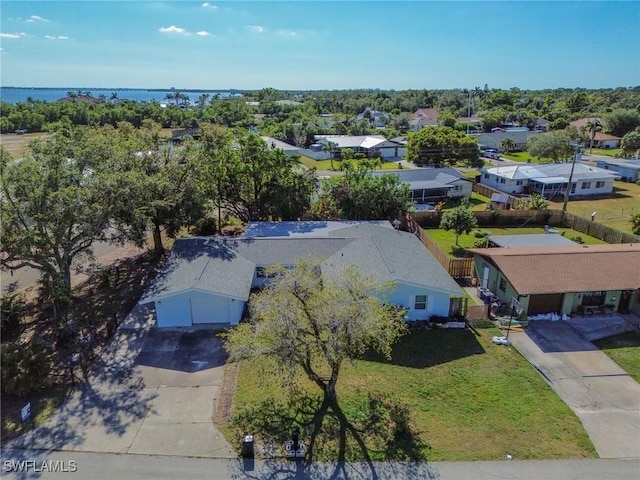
(603, 396)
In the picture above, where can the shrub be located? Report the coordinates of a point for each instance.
(25, 368)
(481, 243)
(480, 234)
(11, 311)
(578, 239)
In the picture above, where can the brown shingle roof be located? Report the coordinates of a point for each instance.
(583, 268)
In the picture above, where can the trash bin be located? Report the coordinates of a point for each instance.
(247, 446)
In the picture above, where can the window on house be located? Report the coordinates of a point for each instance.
(420, 303)
(593, 298)
(586, 185)
(519, 182)
(502, 180)
(503, 284)
(486, 175)
(599, 184)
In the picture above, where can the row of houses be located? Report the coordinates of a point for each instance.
(429, 184)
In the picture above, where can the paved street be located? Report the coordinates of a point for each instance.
(96, 466)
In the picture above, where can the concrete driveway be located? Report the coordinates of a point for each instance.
(152, 392)
(602, 395)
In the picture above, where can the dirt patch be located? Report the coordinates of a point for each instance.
(224, 406)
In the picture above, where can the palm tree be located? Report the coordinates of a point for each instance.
(73, 96)
(202, 100)
(114, 97)
(593, 126)
(507, 144)
(331, 148)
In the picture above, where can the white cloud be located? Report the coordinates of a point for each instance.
(208, 5)
(173, 30)
(59, 37)
(36, 18)
(13, 35)
(256, 28)
(203, 33)
(287, 33)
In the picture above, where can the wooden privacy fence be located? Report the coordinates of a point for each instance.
(462, 267)
(597, 230)
(488, 191)
(457, 267)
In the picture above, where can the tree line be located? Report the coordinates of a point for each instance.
(84, 185)
(334, 112)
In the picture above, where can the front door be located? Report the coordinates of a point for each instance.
(485, 276)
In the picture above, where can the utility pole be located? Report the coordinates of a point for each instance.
(568, 189)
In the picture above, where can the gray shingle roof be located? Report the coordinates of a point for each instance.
(444, 176)
(226, 266)
(392, 255)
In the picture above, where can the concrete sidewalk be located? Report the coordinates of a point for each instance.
(601, 394)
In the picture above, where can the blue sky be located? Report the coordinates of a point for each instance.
(319, 44)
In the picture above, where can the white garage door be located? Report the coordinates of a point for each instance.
(209, 309)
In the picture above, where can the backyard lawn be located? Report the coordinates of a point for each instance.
(467, 399)
(624, 349)
(321, 165)
(446, 240)
(613, 210)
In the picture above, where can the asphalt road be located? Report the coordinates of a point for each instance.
(142, 467)
(25, 277)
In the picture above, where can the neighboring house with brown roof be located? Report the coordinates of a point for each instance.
(562, 280)
(584, 122)
(80, 99)
(604, 140)
(423, 117)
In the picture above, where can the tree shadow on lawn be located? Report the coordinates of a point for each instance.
(429, 347)
(379, 430)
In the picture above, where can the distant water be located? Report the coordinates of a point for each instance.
(15, 94)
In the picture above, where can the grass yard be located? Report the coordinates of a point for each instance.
(607, 152)
(17, 145)
(446, 240)
(613, 210)
(624, 349)
(467, 399)
(524, 157)
(321, 165)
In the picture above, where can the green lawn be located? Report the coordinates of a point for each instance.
(609, 152)
(468, 399)
(612, 210)
(522, 157)
(446, 240)
(624, 349)
(326, 164)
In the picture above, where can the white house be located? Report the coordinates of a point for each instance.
(208, 280)
(549, 180)
(430, 184)
(288, 148)
(604, 140)
(629, 170)
(375, 117)
(423, 117)
(494, 139)
(370, 145)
